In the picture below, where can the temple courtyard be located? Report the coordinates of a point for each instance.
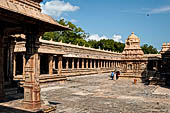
(99, 94)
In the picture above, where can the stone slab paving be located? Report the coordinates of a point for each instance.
(99, 94)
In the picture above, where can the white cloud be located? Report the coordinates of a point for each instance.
(55, 8)
(160, 10)
(117, 38)
(96, 37)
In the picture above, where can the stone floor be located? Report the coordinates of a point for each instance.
(99, 94)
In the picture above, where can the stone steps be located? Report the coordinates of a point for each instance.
(52, 80)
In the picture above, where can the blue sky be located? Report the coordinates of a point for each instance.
(116, 19)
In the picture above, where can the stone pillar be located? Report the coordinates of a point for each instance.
(112, 64)
(1, 66)
(50, 60)
(82, 64)
(14, 66)
(87, 63)
(94, 64)
(60, 65)
(11, 54)
(91, 63)
(72, 63)
(99, 63)
(31, 85)
(67, 63)
(78, 62)
(104, 64)
(39, 64)
(24, 62)
(109, 63)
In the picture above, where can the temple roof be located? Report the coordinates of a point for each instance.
(132, 47)
(31, 9)
(133, 37)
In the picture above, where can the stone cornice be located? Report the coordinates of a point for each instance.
(31, 9)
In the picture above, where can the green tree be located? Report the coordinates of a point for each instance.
(74, 36)
(109, 44)
(77, 36)
(149, 49)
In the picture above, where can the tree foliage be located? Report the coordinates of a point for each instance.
(149, 49)
(74, 36)
(107, 44)
(77, 36)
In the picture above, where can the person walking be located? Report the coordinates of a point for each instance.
(112, 75)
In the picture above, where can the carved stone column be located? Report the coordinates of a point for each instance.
(98, 63)
(10, 44)
(72, 63)
(67, 63)
(108, 64)
(14, 66)
(31, 85)
(101, 63)
(112, 64)
(50, 59)
(60, 65)
(82, 64)
(104, 64)
(91, 63)
(87, 63)
(78, 62)
(24, 62)
(94, 64)
(1, 66)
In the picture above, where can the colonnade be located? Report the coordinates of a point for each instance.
(55, 64)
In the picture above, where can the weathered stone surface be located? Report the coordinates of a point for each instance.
(99, 94)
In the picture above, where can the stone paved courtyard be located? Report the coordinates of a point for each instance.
(99, 94)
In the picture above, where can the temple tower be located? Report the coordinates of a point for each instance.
(133, 62)
(132, 47)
